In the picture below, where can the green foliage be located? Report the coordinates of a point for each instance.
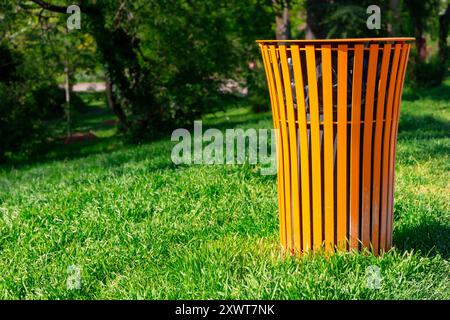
(19, 117)
(421, 15)
(167, 61)
(27, 101)
(50, 99)
(258, 95)
(20, 122)
(347, 19)
(8, 64)
(343, 19)
(185, 52)
(426, 74)
(33, 51)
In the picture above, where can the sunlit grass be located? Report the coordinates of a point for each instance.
(140, 227)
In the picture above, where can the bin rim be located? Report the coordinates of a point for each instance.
(342, 41)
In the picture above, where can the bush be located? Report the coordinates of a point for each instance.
(427, 74)
(25, 102)
(258, 96)
(8, 64)
(50, 100)
(21, 126)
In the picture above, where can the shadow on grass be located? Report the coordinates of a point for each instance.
(59, 151)
(422, 127)
(429, 237)
(238, 121)
(423, 152)
(439, 93)
(117, 153)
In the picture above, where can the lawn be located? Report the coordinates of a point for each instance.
(138, 227)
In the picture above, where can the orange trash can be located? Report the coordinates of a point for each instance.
(335, 107)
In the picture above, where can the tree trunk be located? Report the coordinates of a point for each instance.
(395, 19)
(421, 44)
(444, 22)
(309, 34)
(67, 94)
(113, 105)
(119, 51)
(315, 11)
(282, 19)
(132, 90)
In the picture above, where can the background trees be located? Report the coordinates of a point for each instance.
(167, 62)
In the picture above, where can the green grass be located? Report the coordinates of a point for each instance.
(140, 227)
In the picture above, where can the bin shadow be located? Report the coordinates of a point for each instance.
(422, 127)
(439, 93)
(429, 238)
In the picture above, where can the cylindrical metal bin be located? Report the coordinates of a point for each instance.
(335, 107)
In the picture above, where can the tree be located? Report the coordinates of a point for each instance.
(20, 118)
(395, 18)
(343, 19)
(282, 19)
(421, 13)
(444, 23)
(29, 95)
(315, 11)
(166, 60)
